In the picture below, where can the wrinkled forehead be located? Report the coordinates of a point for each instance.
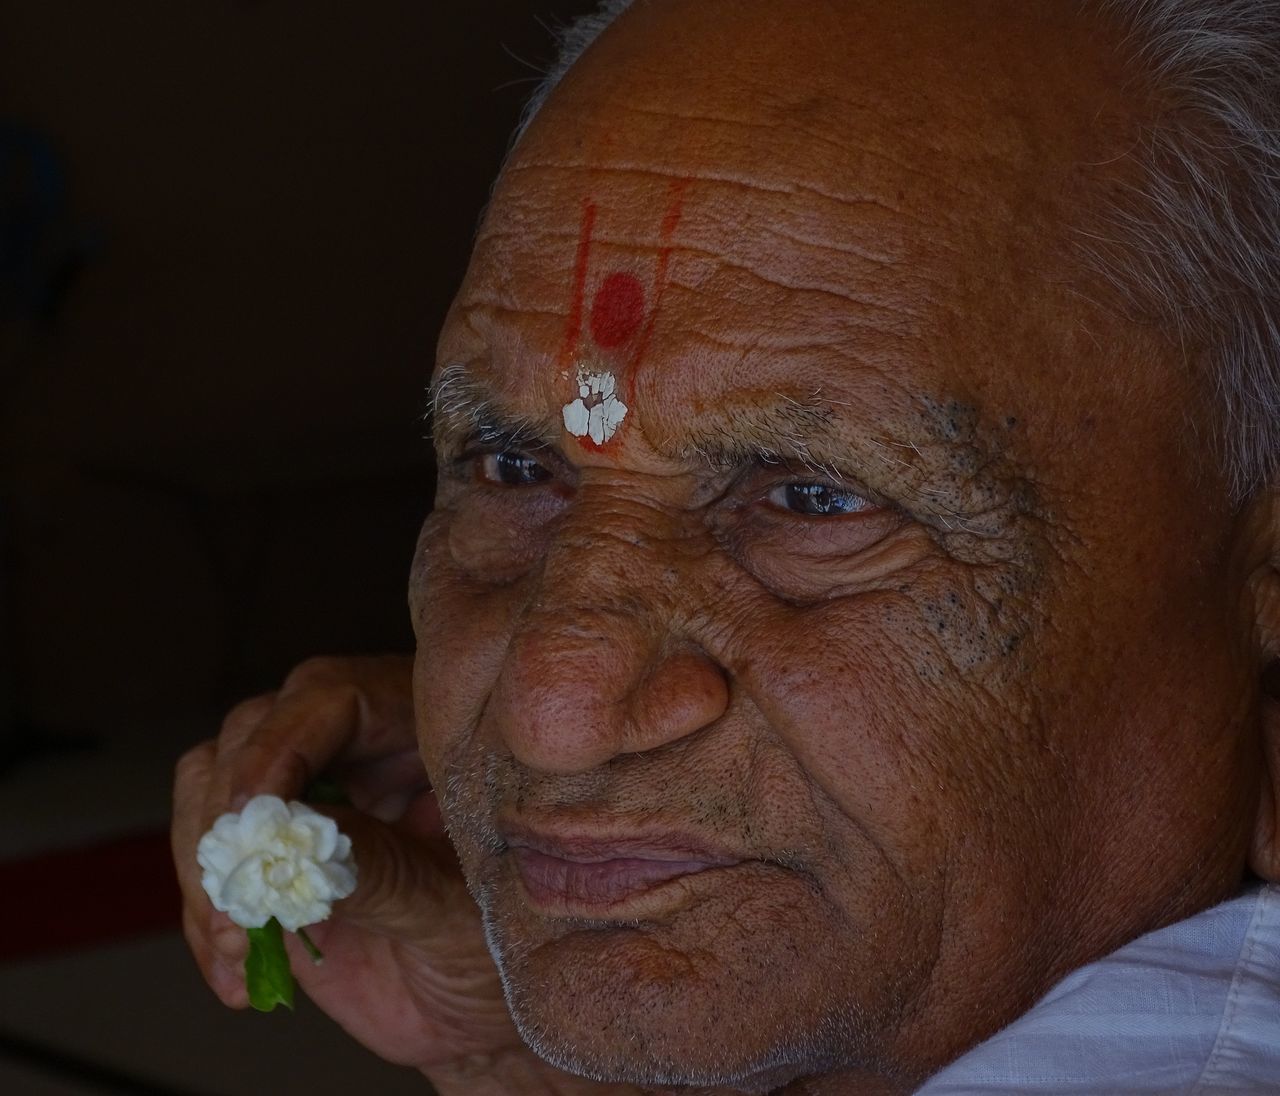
(723, 199)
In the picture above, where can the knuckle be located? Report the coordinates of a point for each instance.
(229, 941)
(278, 768)
(192, 763)
(248, 714)
(319, 670)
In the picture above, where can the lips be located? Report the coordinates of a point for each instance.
(586, 874)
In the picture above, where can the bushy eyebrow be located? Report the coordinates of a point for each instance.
(461, 407)
(775, 428)
(804, 431)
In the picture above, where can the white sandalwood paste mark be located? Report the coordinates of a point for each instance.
(597, 412)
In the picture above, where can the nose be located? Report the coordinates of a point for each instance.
(598, 667)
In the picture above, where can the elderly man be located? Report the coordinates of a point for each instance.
(852, 586)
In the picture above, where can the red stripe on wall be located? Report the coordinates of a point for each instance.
(88, 896)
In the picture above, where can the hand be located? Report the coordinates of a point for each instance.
(406, 969)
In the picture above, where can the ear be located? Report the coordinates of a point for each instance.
(1264, 853)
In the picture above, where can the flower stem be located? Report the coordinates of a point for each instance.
(317, 956)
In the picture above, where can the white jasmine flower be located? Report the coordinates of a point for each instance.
(276, 859)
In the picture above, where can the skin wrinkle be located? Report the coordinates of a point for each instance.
(823, 805)
(726, 264)
(825, 245)
(499, 308)
(723, 260)
(793, 187)
(817, 137)
(964, 758)
(687, 253)
(771, 430)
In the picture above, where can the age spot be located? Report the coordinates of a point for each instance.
(617, 311)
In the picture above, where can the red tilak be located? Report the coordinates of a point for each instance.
(573, 327)
(670, 222)
(618, 310)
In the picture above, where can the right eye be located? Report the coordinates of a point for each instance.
(511, 469)
(817, 500)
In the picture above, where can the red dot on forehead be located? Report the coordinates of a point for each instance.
(617, 310)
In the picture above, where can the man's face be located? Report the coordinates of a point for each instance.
(826, 637)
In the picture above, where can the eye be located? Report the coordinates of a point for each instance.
(512, 469)
(817, 500)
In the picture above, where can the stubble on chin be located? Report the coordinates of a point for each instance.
(743, 990)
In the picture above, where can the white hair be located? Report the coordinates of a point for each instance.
(1200, 238)
(1197, 242)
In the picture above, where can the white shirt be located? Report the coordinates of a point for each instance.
(1192, 1009)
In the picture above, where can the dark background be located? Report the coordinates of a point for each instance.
(229, 231)
(218, 311)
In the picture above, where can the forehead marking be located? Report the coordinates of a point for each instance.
(670, 222)
(596, 414)
(618, 316)
(573, 325)
(618, 310)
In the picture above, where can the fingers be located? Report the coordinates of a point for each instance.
(405, 884)
(385, 788)
(353, 709)
(290, 745)
(237, 729)
(329, 711)
(218, 951)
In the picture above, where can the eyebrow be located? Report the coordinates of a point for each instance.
(769, 427)
(461, 407)
(776, 428)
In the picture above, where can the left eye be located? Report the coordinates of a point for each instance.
(512, 469)
(817, 499)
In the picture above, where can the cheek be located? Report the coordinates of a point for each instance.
(498, 535)
(837, 692)
(463, 627)
(903, 716)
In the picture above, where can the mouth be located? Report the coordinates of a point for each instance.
(580, 875)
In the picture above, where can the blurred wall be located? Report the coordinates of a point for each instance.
(211, 453)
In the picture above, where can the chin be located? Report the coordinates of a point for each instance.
(652, 1005)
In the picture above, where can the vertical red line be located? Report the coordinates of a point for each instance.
(670, 222)
(675, 208)
(573, 326)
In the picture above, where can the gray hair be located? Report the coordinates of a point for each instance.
(1197, 242)
(1200, 239)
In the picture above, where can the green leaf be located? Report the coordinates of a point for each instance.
(266, 968)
